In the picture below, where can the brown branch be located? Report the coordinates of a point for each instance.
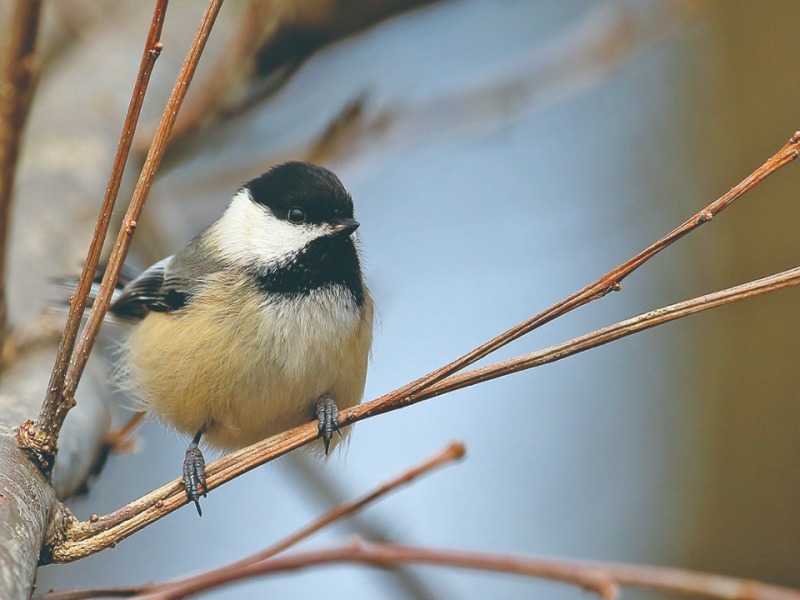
(599, 577)
(191, 585)
(82, 539)
(41, 436)
(604, 336)
(116, 592)
(44, 433)
(612, 280)
(17, 83)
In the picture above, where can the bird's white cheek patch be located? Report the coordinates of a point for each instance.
(249, 233)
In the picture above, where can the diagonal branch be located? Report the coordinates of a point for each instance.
(17, 82)
(81, 539)
(45, 449)
(601, 578)
(192, 585)
(612, 280)
(41, 436)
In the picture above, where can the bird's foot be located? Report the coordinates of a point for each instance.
(327, 419)
(194, 473)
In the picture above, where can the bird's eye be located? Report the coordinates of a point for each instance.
(297, 215)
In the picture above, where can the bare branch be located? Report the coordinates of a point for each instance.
(598, 577)
(82, 539)
(612, 280)
(55, 408)
(85, 538)
(41, 436)
(612, 333)
(16, 92)
(192, 585)
(601, 578)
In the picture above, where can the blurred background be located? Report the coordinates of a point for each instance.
(501, 155)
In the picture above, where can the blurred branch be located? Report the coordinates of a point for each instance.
(41, 436)
(191, 585)
(17, 83)
(327, 490)
(598, 577)
(121, 440)
(601, 41)
(204, 581)
(273, 40)
(23, 341)
(82, 539)
(605, 37)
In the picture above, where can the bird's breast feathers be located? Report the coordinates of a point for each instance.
(243, 368)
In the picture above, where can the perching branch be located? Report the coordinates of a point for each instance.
(17, 82)
(85, 538)
(601, 578)
(41, 436)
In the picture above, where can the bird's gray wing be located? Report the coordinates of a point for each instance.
(168, 285)
(146, 293)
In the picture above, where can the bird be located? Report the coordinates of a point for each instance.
(261, 323)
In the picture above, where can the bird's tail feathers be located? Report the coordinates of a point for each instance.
(70, 283)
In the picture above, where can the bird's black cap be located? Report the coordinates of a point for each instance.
(316, 190)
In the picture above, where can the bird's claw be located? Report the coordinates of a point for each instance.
(194, 475)
(327, 419)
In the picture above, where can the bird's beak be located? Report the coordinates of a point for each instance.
(343, 227)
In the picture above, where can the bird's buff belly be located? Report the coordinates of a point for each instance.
(243, 384)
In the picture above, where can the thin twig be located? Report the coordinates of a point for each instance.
(82, 539)
(54, 402)
(607, 334)
(42, 435)
(192, 585)
(601, 578)
(17, 83)
(116, 592)
(598, 577)
(612, 280)
(327, 488)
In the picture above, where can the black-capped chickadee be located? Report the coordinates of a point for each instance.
(260, 324)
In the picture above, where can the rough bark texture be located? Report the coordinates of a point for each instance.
(28, 500)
